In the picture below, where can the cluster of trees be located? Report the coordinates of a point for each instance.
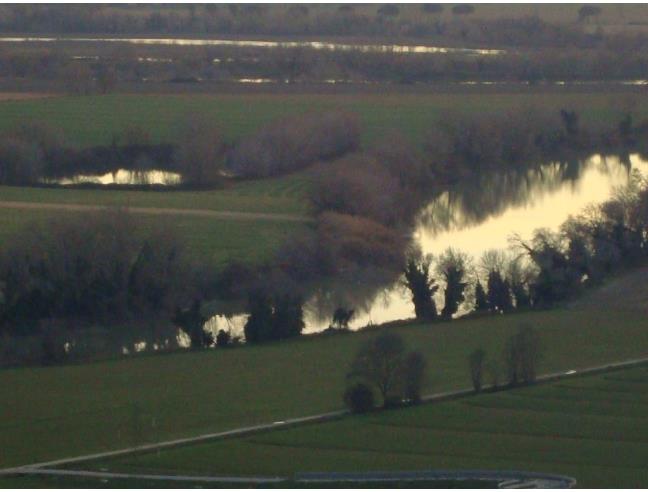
(521, 356)
(383, 365)
(273, 317)
(93, 275)
(294, 143)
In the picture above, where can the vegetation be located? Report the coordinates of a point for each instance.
(93, 120)
(569, 427)
(422, 287)
(383, 364)
(161, 385)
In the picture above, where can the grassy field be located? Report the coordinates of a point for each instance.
(286, 195)
(89, 120)
(65, 411)
(593, 428)
(214, 241)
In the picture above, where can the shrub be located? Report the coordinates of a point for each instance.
(359, 398)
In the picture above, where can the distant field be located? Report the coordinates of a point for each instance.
(592, 428)
(91, 407)
(90, 120)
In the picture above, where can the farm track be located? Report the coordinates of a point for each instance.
(216, 214)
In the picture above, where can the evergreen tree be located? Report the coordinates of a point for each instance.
(481, 300)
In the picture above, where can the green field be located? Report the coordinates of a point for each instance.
(89, 120)
(593, 428)
(65, 411)
(214, 240)
(285, 195)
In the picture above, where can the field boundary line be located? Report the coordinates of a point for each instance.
(195, 212)
(146, 476)
(318, 418)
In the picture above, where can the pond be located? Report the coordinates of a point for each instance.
(473, 217)
(122, 177)
(246, 43)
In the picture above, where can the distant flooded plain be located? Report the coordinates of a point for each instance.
(247, 43)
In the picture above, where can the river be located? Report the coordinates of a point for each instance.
(475, 216)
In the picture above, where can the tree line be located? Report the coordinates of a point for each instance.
(385, 374)
(34, 154)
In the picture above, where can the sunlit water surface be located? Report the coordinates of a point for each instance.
(474, 217)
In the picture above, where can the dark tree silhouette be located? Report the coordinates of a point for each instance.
(452, 267)
(481, 300)
(192, 322)
(342, 317)
(359, 398)
(522, 354)
(422, 287)
(383, 363)
(258, 327)
(499, 293)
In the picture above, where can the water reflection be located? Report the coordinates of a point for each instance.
(123, 177)
(483, 213)
(242, 43)
(475, 216)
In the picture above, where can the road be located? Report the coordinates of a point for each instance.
(322, 417)
(195, 212)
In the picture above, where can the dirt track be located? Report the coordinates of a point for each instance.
(216, 214)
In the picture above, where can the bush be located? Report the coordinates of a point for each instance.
(359, 398)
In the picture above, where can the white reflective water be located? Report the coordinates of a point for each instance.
(243, 43)
(483, 216)
(123, 177)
